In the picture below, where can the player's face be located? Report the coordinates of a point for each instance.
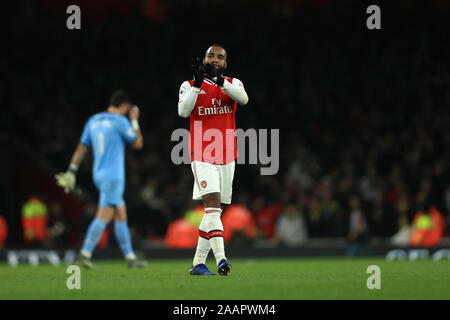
(216, 56)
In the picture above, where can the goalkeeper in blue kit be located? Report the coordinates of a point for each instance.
(107, 133)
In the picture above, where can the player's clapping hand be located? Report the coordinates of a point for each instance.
(214, 74)
(197, 69)
(66, 180)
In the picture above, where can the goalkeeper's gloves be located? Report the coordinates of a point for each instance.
(67, 179)
(214, 74)
(197, 69)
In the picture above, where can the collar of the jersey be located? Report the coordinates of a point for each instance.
(209, 81)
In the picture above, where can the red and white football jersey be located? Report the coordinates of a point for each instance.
(212, 125)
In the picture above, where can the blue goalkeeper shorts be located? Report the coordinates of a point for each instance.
(111, 193)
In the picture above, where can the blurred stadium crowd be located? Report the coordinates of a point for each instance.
(363, 116)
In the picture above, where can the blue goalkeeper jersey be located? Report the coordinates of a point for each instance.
(107, 134)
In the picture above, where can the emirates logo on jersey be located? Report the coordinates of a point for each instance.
(204, 111)
(216, 108)
(203, 184)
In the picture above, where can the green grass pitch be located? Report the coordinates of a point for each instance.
(254, 279)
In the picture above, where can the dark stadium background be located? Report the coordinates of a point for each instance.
(361, 112)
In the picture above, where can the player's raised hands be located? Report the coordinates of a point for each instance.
(197, 69)
(134, 113)
(214, 74)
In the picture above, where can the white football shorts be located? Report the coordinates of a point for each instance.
(210, 178)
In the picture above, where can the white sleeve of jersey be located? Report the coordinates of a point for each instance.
(236, 91)
(186, 99)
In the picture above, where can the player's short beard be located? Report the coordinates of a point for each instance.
(221, 70)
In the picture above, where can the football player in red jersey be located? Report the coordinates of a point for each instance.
(210, 101)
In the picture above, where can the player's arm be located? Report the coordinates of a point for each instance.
(67, 179)
(138, 143)
(78, 156)
(188, 94)
(236, 91)
(186, 99)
